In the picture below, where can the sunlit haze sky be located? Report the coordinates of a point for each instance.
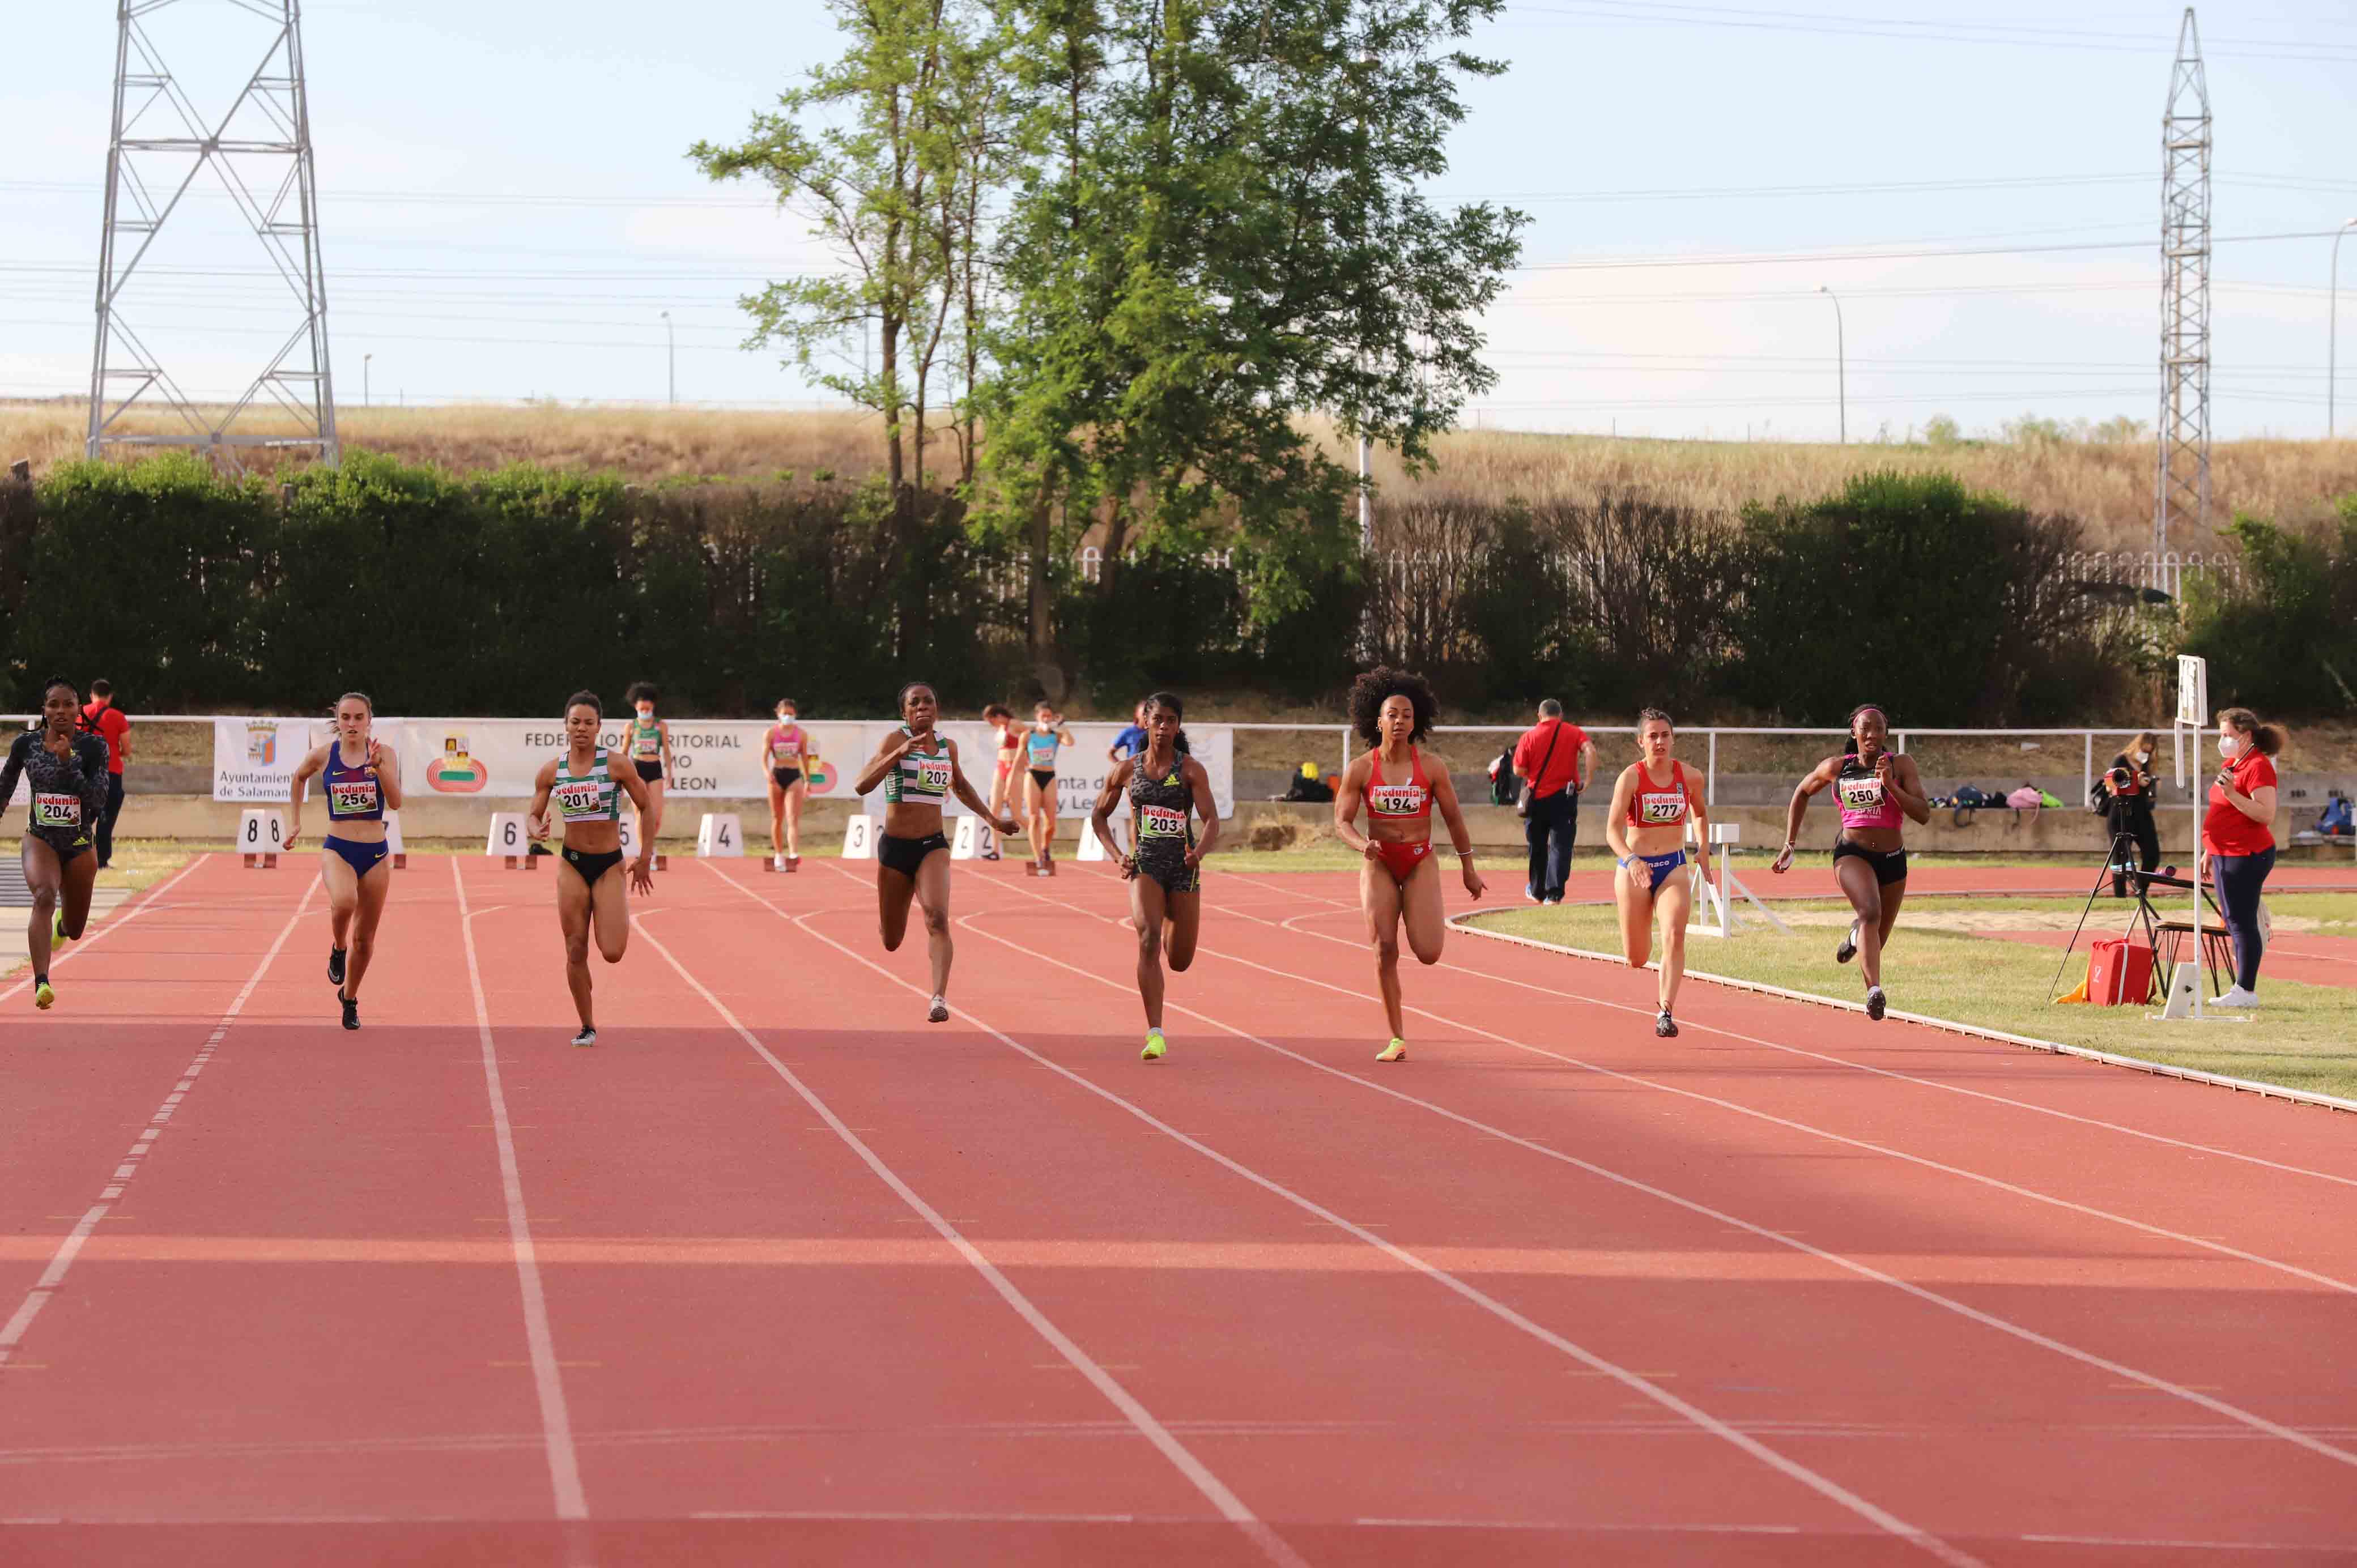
(507, 208)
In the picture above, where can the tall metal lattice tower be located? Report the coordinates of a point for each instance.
(259, 149)
(2181, 491)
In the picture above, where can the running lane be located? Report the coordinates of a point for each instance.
(298, 1338)
(2133, 1382)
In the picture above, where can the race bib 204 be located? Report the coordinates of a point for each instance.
(55, 810)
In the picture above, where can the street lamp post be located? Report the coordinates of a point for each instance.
(365, 400)
(2332, 331)
(671, 357)
(1841, 362)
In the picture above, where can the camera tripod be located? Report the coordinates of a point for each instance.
(2122, 862)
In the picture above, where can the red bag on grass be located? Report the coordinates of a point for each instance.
(2119, 972)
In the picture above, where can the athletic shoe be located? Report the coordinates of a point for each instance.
(1552, 899)
(939, 1013)
(1875, 1002)
(1848, 948)
(2237, 997)
(587, 1036)
(1532, 894)
(352, 1013)
(1666, 1025)
(335, 968)
(42, 996)
(793, 863)
(1155, 1047)
(1394, 1052)
(57, 929)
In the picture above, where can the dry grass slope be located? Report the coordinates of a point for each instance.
(2107, 487)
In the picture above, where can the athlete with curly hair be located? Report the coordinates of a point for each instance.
(1399, 785)
(1875, 787)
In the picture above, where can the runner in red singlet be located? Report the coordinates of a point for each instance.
(1399, 784)
(1653, 800)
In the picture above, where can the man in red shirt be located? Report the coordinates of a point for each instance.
(101, 717)
(1554, 758)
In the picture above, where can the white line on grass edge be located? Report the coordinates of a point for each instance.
(1466, 920)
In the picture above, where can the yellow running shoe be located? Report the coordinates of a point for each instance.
(57, 928)
(1394, 1052)
(1155, 1047)
(43, 996)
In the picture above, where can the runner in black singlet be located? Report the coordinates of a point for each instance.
(66, 771)
(1164, 786)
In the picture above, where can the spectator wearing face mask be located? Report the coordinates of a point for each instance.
(2130, 783)
(2238, 839)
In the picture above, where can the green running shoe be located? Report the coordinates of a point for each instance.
(1394, 1052)
(1155, 1046)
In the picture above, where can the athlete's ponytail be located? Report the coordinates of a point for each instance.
(2263, 738)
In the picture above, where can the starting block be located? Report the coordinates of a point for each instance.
(509, 840)
(719, 837)
(973, 841)
(393, 840)
(781, 863)
(260, 836)
(859, 837)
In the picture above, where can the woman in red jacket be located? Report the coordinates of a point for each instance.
(2237, 840)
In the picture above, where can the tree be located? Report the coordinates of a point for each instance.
(1219, 234)
(887, 149)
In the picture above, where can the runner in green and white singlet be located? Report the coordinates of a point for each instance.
(647, 740)
(918, 768)
(583, 789)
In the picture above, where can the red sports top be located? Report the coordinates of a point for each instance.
(2224, 829)
(1408, 802)
(1654, 805)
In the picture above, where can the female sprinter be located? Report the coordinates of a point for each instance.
(580, 787)
(1874, 785)
(789, 749)
(363, 782)
(649, 744)
(919, 769)
(1001, 720)
(1399, 784)
(1046, 736)
(1653, 800)
(66, 769)
(1164, 873)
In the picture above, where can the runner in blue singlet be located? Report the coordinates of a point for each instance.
(360, 776)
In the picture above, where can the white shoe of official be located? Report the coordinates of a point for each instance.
(2237, 997)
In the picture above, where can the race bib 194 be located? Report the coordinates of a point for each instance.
(55, 810)
(1396, 801)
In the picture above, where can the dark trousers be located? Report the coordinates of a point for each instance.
(2132, 818)
(2239, 878)
(106, 821)
(1554, 824)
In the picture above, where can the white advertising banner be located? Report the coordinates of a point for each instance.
(254, 759)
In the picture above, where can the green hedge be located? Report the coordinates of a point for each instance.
(2285, 640)
(503, 592)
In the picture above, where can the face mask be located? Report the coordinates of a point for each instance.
(2144, 756)
(785, 718)
(646, 710)
(2227, 745)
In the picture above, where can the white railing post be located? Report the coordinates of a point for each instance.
(1710, 774)
(2087, 769)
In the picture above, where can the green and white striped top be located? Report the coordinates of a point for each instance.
(586, 797)
(921, 777)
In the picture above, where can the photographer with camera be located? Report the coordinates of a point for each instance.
(2130, 785)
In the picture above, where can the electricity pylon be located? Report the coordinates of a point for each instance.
(2182, 493)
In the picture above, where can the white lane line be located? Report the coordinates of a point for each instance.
(122, 917)
(548, 1382)
(2206, 1243)
(1230, 1506)
(1824, 1486)
(61, 1261)
(1850, 1062)
(1782, 1237)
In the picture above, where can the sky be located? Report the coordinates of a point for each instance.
(507, 209)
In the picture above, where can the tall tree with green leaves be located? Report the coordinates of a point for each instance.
(890, 149)
(1219, 236)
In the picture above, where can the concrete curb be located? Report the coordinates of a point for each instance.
(1466, 920)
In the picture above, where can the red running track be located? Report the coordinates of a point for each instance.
(778, 1272)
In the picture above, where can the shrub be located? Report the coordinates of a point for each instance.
(2286, 641)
